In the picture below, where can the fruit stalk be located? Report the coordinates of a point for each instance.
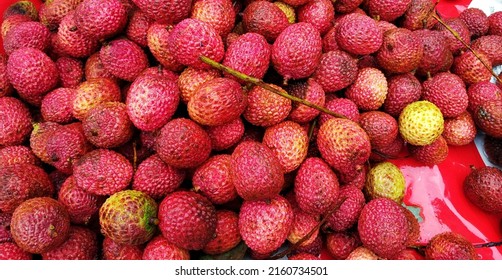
(457, 36)
(309, 234)
(264, 85)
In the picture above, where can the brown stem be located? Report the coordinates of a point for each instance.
(488, 244)
(457, 36)
(309, 234)
(312, 128)
(135, 155)
(266, 86)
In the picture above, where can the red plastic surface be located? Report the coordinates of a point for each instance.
(437, 191)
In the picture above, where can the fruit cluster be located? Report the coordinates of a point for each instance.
(180, 129)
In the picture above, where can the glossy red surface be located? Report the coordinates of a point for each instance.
(436, 191)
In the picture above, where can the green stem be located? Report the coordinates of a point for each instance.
(266, 86)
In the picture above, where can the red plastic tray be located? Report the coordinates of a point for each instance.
(435, 192)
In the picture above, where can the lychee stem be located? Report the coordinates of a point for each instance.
(266, 86)
(135, 155)
(488, 244)
(309, 234)
(312, 128)
(457, 36)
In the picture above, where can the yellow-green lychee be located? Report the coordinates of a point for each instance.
(385, 180)
(288, 10)
(420, 123)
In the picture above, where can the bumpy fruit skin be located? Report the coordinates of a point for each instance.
(420, 123)
(124, 59)
(387, 10)
(10, 22)
(11, 155)
(32, 73)
(362, 253)
(447, 91)
(437, 55)
(459, 26)
(20, 182)
(93, 92)
(289, 142)
(288, 10)
(94, 68)
(27, 8)
(481, 92)
(100, 19)
(316, 186)
(71, 71)
(264, 18)
(402, 90)
(169, 11)
(6, 88)
(159, 248)
(151, 102)
(264, 225)
(65, 146)
(15, 121)
(343, 144)
(31, 34)
(102, 172)
(495, 22)
(483, 188)
(71, 41)
(182, 143)
(381, 127)
(10, 251)
(311, 91)
(249, 54)
(383, 227)
(303, 256)
(348, 213)
(219, 13)
(129, 217)
(476, 21)
(157, 179)
(342, 106)
(227, 135)
(107, 125)
(491, 46)
(187, 219)
(190, 80)
(137, 28)
(82, 244)
(227, 234)
(470, 69)
(213, 179)
(358, 34)
(294, 58)
(254, 183)
(431, 154)
(385, 180)
(217, 102)
(266, 108)
(81, 205)
(116, 251)
(52, 12)
(320, 13)
(5, 235)
(303, 223)
(459, 131)
(50, 230)
(157, 40)
(450, 246)
(401, 52)
(418, 15)
(192, 38)
(488, 116)
(340, 244)
(337, 70)
(39, 136)
(369, 90)
(346, 6)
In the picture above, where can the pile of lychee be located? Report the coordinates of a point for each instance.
(180, 129)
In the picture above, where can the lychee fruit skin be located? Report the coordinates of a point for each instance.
(348, 213)
(482, 187)
(10, 251)
(169, 11)
(264, 225)
(192, 38)
(15, 121)
(213, 179)
(124, 59)
(182, 143)
(159, 248)
(421, 123)
(254, 183)
(227, 234)
(450, 246)
(336, 71)
(358, 34)
(187, 219)
(100, 19)
(32, 73)
(369, 90)
(82, 244)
